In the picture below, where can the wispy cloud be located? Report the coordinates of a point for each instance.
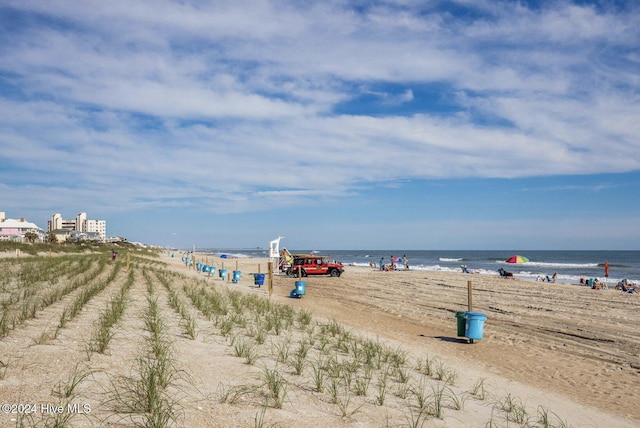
(216, 102)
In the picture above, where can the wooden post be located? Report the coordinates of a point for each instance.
(270, 283)
(236, 265)
(258, 267)
(469, 300)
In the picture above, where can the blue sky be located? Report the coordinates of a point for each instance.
(337, 124)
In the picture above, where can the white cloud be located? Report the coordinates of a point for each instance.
(227, 103)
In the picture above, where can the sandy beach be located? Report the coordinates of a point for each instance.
(561, 351)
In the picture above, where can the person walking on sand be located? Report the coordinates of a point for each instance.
(606, 269)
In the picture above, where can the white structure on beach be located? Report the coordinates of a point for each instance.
(82, 226)
(15, 229)
(274, 252)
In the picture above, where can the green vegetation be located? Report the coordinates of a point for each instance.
(286, 351)
(145, 393)
(114, 310)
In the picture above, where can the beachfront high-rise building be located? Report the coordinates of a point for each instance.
(95, 226)
(79, 224)
(81, 218)
(58, 223)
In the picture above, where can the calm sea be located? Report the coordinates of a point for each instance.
(569, 265)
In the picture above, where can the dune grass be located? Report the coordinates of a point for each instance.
(286, 351)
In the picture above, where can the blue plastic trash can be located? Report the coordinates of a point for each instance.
(222, 273)
(475, 325)
(258, 279)
(236, 276)
(300, 290)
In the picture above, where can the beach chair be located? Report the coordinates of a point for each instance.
(504, 274)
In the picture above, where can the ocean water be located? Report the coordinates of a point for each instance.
(570, 266)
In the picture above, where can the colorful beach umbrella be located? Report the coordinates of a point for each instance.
(517, 259)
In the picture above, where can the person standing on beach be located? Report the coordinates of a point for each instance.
(381, 263)
(606, 269)
(405, 262)
(392, 265)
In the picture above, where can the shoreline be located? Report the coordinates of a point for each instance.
(611, 283)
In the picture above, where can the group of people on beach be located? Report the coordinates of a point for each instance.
(465, 269)
(628, 287)
(594, 283)
(547, 278)
(402, 263)
(393, 264)
(625, 286)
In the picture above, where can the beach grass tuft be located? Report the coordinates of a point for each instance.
(275, 385)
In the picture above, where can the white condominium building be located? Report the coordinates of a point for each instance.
(79, 224)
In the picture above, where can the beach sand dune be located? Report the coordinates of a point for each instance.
(565, 349)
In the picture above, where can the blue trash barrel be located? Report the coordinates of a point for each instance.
(222, 273)
(236, 276)
(475, 325)
(198, 266)
(258, 279)
(301, 288)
